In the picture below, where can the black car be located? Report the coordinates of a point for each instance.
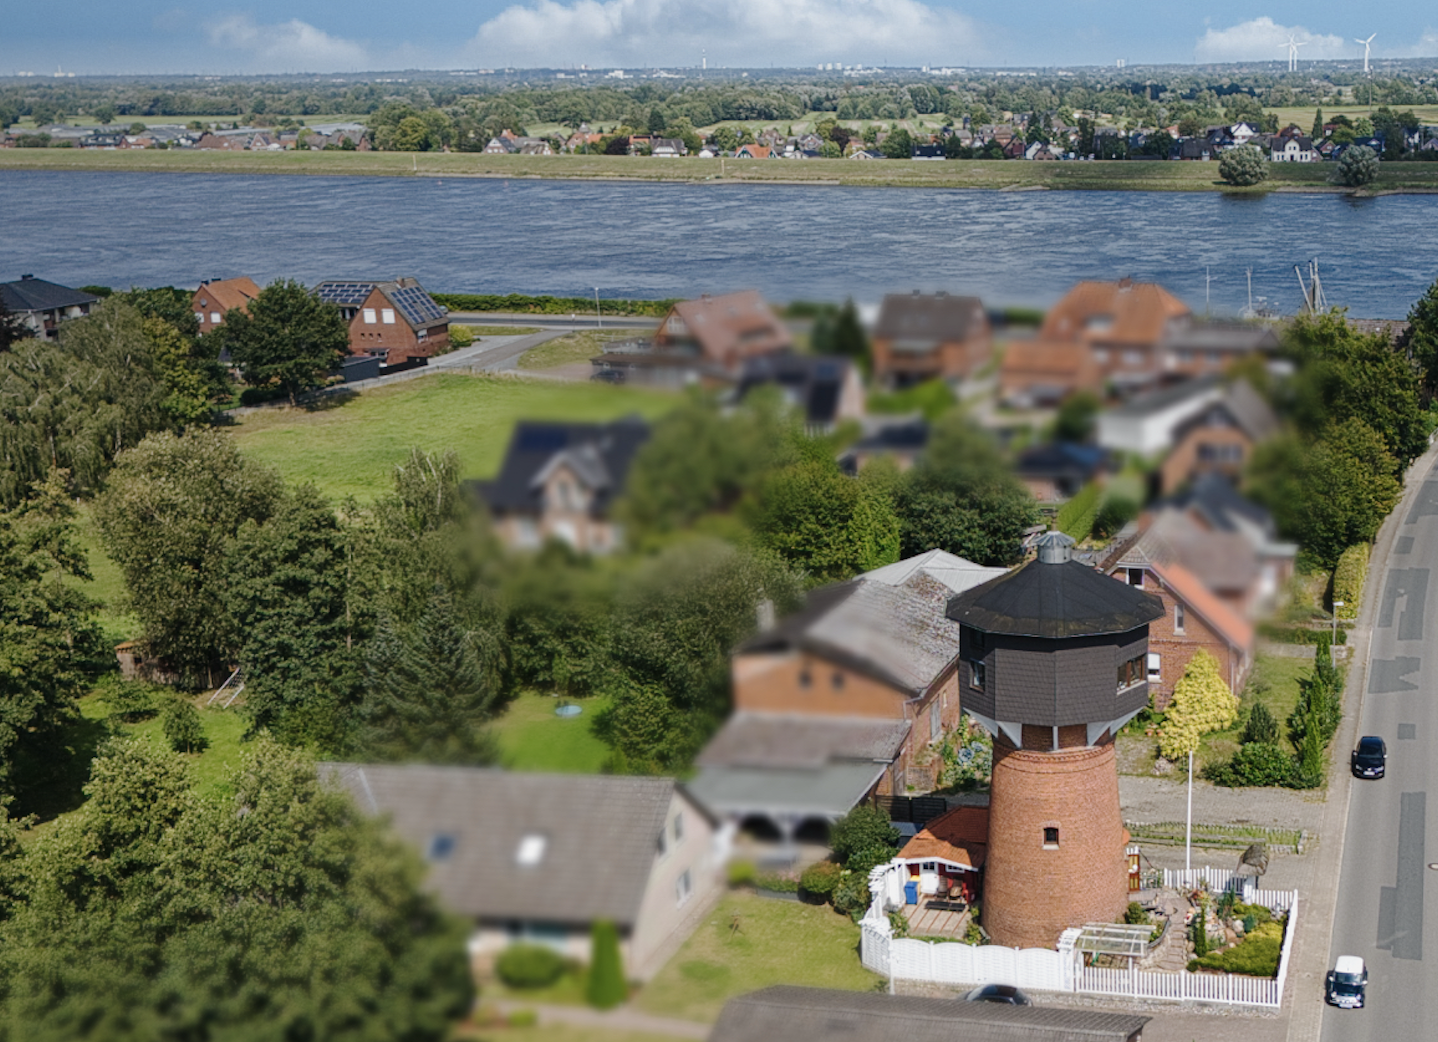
(1005, 993)
(1370, 758)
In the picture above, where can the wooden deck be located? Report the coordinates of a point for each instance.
(928, 921)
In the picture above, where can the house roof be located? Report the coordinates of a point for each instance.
(1225, 559)
(1232, 338)
(599, 836)
(1061, 459)
(599, 454)
(961, 835)
(820, 1015)
(890, 435)
(224, 294)
(750, 739)
(890, 628)
(1190, 589)
(921, 322)
(409, 298)
(1214, 501)
(814, 383)
(953, 571)
(1055, 600)
(824, 792)
(29, 294)
(725, 329)
(1156, 402)
(1047, 358)
(1123, 312)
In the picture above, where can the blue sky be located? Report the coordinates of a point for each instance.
(268, 36)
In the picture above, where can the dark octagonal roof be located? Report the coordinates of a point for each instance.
(1063, 599)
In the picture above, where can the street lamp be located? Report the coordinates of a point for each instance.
(1336, 606)
(598, 318)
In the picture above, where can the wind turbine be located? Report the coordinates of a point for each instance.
(1367, 45)
(1293, 45)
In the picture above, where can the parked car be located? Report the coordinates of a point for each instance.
(1004, 993)
(1370, 758)
(1347, 982)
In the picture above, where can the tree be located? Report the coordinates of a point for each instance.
(1357, 167)
(606, 987)
(277, 911)
(1317, 132)
(1421, 338)
(961, 497)
(180, 722)
(825, 524)
(12, 328)
(898, 145)
(427, 695)
(1243, 166)
(1201, 703)
(289, 338)
(1261, 727)
(104, 114)
(864, 837)
(173, 505)
(726, 139)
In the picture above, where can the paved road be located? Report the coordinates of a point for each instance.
(1380, 906)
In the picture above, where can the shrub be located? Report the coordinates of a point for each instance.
(1261, 726)
(851, 895)
(1256, 955)
(820, 878)
(523, 1018)
(529, 966)
(1135, 915)
(778, 882)
(1348, 579)
(742, 873)
(131, 701)
(1298, 634)
(1243, 166)
(181, 724)
(1198, 930)
(1076, 517)
(1358, 166)
(1255, 764)
(864, 834)
(1260, 914)
(1116, 512)
(460, 336)
(607, 987)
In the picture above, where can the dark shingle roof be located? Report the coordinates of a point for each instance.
(1066, 599)
(600, 454)
(820, 1015)
(32, 294)
(931, 319)
(814, 383)
(1061, 459)
(600, 836)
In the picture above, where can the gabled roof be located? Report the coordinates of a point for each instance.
(1225, 559)
(796, 1014)
(224, 294)
(1189, 589)
(953, 571)
(1133, 313)
(960, 835)
(920, 321)
(596, 836)
(413, 304)
(599, 454)
(29, 294)
(1153, 403)
(1061, 459)
(727, 328)
(1059, 359)
(814, 383)
(750, 739)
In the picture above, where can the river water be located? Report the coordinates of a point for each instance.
(652, 240)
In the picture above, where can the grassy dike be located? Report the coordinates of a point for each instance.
(1011, 175)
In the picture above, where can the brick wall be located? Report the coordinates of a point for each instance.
(1034, 890)
(396, 339)
(1184, 464)
(1175, 649)
(775, 683)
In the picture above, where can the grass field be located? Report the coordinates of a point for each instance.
(978, 174)
(777, 942)
(349, 447)
(575, 347)
(1303, 114)
(532, 738)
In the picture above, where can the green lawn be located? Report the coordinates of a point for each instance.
(224, 731)
(532, 738)
(1274, 682)
(486, 331)
(107, 584)
(349, 447)
(575, 347)
(778, 942)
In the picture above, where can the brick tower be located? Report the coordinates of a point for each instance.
(1054, 662)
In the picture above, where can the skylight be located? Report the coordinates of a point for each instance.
(531, 850)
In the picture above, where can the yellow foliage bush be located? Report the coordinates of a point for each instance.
(1201, 703)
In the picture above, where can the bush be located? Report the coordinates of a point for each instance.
(1261, 727)
(460, 336)
(1299, 634)
(851, 895)
(820, 878)
(1135, 915)
(777, 882)
(181, 724)
(1256, 955)
(529, 966)
(607, 987)
(1243, 167)
(1255, 764)
(1076, 517)
(864, 834)
(1348, 579)
(131, 700)
(550, 305)
(742, 873)
(1358, 166)
(1116, 512)
(522, 1018)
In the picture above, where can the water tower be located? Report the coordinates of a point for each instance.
(1054, 660)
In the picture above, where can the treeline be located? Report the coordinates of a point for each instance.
(518, 302)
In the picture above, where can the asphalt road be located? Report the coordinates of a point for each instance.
(1380, 909)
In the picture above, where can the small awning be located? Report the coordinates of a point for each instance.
(1114, 939)
(827, 792)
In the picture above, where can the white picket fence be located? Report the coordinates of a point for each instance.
(1180, 987)
(1221, 879)
(949, 962)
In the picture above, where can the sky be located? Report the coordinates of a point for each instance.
(278, 36)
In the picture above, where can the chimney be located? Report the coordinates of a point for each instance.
(764, 614)
(24, 277)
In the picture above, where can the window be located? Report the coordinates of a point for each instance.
(1178, 618)
(1135, 577)
(679, 827)
(662, 845)
(805, 679)
(199, 316)
(683, 888)
(977, 641)
(215, 317)
(369, 316)
(936, 722)
(1130, 672)
(387, 316)
(1155, 670)
(976, 676)
(441, 846)
(1051, 837)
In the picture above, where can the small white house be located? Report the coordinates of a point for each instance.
(1144, 425)
(1293, 150)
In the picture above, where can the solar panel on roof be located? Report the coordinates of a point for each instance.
(542, 439)
(344, 293)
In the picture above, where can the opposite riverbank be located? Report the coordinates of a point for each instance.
(996, 175)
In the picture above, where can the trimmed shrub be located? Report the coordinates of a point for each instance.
(1299, 634)
(1255, 764)
(820, 878)
(865, 833)
(742, 873)
(851, 895)
(517, 302)
(1076, 517)
(1255, 956)
(1348, 579)
(1134, 915)
(460, 336)
(529, 966)
(607, 987)
(1116, 512)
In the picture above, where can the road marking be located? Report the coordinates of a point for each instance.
(1406, 731)
(1400, 908)
(1385, 675)
(1410, 585)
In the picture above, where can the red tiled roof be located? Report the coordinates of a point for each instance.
(225, 294)
(1191, 590)
(1138, 311)
(961, 835)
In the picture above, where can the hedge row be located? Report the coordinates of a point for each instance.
(1348, 579)
(517, 302)
(1280, 634)
(1076, 517)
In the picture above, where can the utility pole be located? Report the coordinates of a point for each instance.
(598, 318)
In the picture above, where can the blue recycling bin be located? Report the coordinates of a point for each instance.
(911, 892)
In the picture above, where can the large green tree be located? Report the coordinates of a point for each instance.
(289, 338)
(172, 508)
(1421, 338)
(825, 524)
(275, 911)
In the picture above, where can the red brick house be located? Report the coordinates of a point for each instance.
(216, 297)
(921, 337)
(395, 319)
(725, 330)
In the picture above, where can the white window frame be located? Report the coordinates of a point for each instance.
(386, 316)
(199, 316)
(977, 676)
(683, 889)
(1155, 667)
(369, 316)
(1178, 618)
(216, 318)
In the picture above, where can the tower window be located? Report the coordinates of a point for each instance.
(1135, 577)
(1051, 837)
(976, 675)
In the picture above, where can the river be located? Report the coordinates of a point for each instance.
(679, 240)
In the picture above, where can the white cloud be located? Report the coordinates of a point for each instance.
(746, 33)
(1263, 39)
(292, 46)
(1426, 47)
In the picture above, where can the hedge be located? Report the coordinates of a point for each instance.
(1299, 634)
(529, 966)
(518, 302)
(1076, 517)
(1348, 579)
